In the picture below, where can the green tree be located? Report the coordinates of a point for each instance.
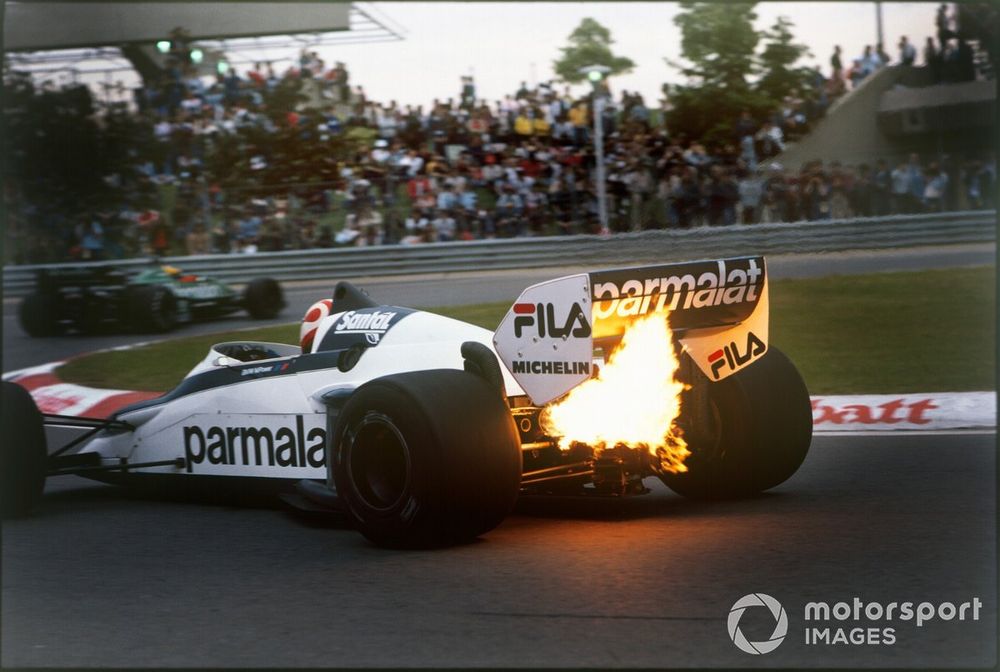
(979, 23)
(780, 76)
(589, 44)
(718, 45)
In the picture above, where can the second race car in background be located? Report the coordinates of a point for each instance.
(153, 300)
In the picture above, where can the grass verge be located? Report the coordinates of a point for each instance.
(928, 331)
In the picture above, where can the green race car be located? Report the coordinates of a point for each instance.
(154, 300)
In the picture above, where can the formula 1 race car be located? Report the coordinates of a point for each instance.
(153, 300)
(423, 430)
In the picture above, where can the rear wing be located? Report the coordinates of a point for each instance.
(718, 309)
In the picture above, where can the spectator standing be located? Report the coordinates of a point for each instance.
(862, 192)
(815, 195)
(881, 189)
(840, 203)
(468, 92)
(934, 190)
(917, 183)
(856, 73)
(980, 183)
(687, 198)
(745, 125)
(444, 226)
(772, 206)
(91, 237)
(198, 240)
(933, 59)
(769, 141)
(750, 190)
(901, 189)
(907, 53)
(883, 58)
(965, 64)
(869, 62)
(943, 23)
(836, 64)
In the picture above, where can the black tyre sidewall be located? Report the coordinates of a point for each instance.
(463, 451)
(90, 320)
(263, 298)
(765, 428)
(23, 453)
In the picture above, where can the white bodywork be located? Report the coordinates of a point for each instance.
(274, 426)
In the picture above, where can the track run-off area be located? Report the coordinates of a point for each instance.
(100, 577)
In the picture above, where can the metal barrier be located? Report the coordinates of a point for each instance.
(657, 246)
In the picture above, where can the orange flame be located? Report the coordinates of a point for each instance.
(634, 401)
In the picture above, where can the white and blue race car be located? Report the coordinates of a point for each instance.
(423, 430)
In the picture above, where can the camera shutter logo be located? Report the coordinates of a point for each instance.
(780, 623)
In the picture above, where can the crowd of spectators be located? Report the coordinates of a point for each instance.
(466, 168)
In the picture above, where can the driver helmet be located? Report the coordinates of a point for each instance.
(310, 323)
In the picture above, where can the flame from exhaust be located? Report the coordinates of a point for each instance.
(634, 401)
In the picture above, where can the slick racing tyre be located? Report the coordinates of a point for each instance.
(263, 298)
(426, 458)
(39, 315)
(23, 455)
(747, 433)
(90, 319)
(151, 308)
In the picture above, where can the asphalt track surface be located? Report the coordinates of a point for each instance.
(21, 351)
(99, 578)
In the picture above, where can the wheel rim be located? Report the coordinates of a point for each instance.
(378, 462)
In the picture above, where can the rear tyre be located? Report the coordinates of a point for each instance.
(425, 459)
(151, 308)
(263, 298)
(90, 319)
(23, 454)
(39, 315)
(753, 433)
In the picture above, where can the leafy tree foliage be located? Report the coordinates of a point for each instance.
(980, 23)
(780, 76)
(726, 70)
(589, 44)
(718, 43)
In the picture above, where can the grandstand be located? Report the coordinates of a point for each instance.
(234, 150)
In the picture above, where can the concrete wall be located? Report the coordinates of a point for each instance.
(957, 119)
(849, 132)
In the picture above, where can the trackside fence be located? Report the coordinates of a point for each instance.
(656, 246)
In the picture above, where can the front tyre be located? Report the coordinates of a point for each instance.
(151, 308)
(263, 298)
(747, 433)
(23, 453)
(426, 458)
